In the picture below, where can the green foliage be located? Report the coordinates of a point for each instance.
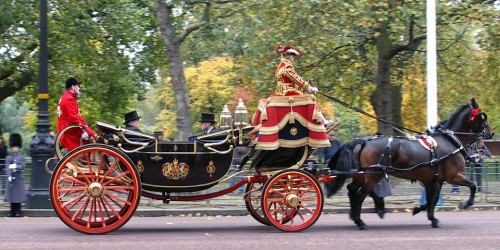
(93, 42)
(116, 49)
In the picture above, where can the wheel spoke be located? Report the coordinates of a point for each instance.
(73, 201)
(110, 169)
(117, 214)
(116, 178)
(115, 198)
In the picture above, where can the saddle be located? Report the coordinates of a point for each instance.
(427, 142)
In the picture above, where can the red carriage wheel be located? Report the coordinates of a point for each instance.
(253, 194)
(252, 198)
(95, 189)
(292, 200)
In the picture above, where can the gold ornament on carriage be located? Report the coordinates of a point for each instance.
(156, 158)
(211, 168)
(175, 170)
(140, 167)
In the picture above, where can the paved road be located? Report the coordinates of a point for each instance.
(461, 230)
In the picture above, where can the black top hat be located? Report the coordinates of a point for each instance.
(130, 116)
(207, 118)
(72, 81)
(16, 140)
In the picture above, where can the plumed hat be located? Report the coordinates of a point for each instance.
(130, 116)
(288, 50)
(16, 140)
(207, 117)
(72, 81)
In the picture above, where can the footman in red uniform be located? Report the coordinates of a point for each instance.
(68, 113)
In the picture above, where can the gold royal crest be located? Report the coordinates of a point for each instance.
(175, 170)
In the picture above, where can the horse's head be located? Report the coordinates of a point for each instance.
(478, 121)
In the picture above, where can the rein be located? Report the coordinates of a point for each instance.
(347, 105)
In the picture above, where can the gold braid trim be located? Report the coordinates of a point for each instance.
(284, 101)
(284, 121)
(289, 71)
(292, 144)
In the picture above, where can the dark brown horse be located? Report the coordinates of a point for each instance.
(408, 159)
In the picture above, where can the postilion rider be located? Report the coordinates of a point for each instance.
(273, 111)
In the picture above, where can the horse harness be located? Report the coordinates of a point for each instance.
(384, 163)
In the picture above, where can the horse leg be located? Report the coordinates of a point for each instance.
(420, 208)
(461, 180)
(472, 194)
(432, 191)
(379, 204)
(356, 198)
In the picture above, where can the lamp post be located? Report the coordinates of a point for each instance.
(42, 144)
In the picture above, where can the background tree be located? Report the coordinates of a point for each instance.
(18, 44)
(211, 85)
(89, 40)
(177, 20)
(353, 49)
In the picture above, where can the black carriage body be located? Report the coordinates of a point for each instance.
(181, 166)
(174, 166)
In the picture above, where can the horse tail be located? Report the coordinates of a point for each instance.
(343, 161)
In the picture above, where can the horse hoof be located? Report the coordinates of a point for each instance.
(436, 224)
(381, 213)
(416, 210)
(361, 225)
(465, 205)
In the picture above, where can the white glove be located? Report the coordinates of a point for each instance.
(85, 136)
(313, 90)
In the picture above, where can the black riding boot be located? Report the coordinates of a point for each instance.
(12, 209)
(15, 210)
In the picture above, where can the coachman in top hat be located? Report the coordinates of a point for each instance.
(132, 120)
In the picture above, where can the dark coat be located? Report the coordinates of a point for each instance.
(133, 128)
(325, 154)
(15, 191)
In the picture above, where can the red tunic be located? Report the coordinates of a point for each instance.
(289, 118)
(288, 82)
(69, 114)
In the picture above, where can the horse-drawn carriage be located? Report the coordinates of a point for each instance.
(96, 187)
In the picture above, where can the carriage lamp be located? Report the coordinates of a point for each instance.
(225, 119)
(241, 114)
(240, 118)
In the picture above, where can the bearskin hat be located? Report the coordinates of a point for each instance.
(16, 140)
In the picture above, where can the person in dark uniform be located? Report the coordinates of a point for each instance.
(132, 121)
(208, 123)
(325, 154)
(15, 162)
